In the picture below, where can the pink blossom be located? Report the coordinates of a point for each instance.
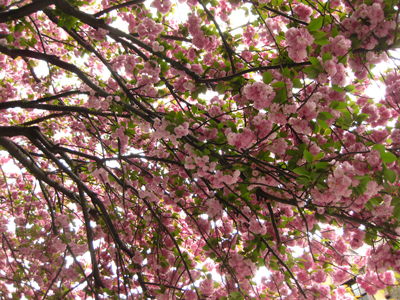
(303, 12)
(260, 93)
(206, 287)
(298, 39)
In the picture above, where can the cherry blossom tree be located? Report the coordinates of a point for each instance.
(172, 150)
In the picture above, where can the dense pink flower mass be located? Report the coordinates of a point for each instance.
(160, 149)
(298, 39)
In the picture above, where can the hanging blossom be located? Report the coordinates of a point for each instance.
(297, 40)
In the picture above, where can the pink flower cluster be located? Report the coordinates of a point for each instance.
(137, 258)
(355, 237)
(182, 130)
(241, 140)
(278, 147)
(303, 12)
(367, 19)
(298, 39)
(269, 32)
(199, 39)
(220, 179)
(214, 207)
(206, 287)
(384, 257)
(157, 47)
(248, 36)
(371, 283)
(260, 93)
(336, 71)
(243, 267)
(338, 46)
(257, 227)
(308, 111)
(393, 87)
(341, 294)
(130, 63)
(98, 34)
(149, 28)
(163, 6)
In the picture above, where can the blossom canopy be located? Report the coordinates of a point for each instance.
(157, 149)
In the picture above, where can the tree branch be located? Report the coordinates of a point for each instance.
(24, 11)
(54, 60)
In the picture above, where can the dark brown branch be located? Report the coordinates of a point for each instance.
(57, 149)
(143, 112)
(50, 107)
(111, 8)
(54, 60)
(169, 37)
(116, 33)
(282, 14)
(264, 68)
(95, 267)
(24, 11)
(20, 103)
(332, 215)
(271, 212)
(226, 45)
(44, 145)
(31, 70)
(32, 167)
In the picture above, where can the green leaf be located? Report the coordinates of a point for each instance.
(376, 201)
(334, 32)
(395, 201)
(315, 24)
(321, 165)
(322, 41)
(361, 118)
(338, 105)
(10, 38)
(388, 157)
(379, 147)
(390, 175)
(318, 34)
(326, 56)
(267, 77)
(308, 156)
(301, 171)
(315, 61)
(322, 123)
(206, 248)
(297, 83)
(235, 295)
(396, 212)
(337, 89)
(278, 84)
(324, 115)
(220, 88)
(311, 72)
(319, 156)
(369, 205)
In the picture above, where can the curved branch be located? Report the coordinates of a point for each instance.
(15, 152)
(111, 8)
(227, 47)
(264, 68)
(54, 60)
(24, 11)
